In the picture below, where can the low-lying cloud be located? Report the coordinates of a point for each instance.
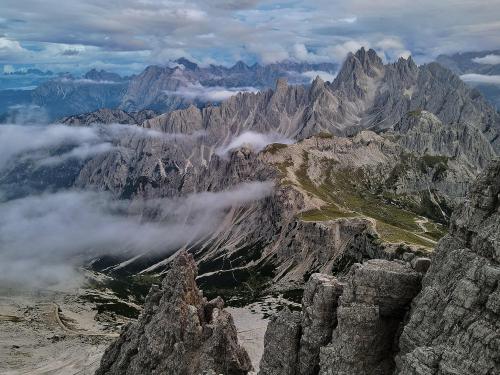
(490, 59)
(212, 94)
(37, 142)
(44, 237)
(481, 78)
(325, 76)
(255, 141)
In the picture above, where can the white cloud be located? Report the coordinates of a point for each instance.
(349, 19)
(34, 142)
(9, 46)
(253, 140)
(481, 78)
(156, 31)
(213, 94)
(325, 76)
(44, 237)
(8, 69)
(490, 59)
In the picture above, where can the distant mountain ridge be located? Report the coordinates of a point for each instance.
(160, 88)
(479, 69)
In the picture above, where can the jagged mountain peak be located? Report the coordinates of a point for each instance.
(240, 67)
(356, 73)
(178, 332)
(187, 63)
(281, 84)
(369, 60)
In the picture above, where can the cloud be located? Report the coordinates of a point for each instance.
(253, 140)
(325, 76)
(44, 237)
(39, 142)
(481, 78)
(140, 32)
(213, 94)
(490, 59)
(349, 19)
(81, 152)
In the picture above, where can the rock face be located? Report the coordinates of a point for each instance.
(283, 335)
(371, 312)
(319, 318)
(108, 116)
(454, 326)
(178, 332)
(349, 328)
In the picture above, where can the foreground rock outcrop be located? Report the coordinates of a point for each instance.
(346, 327)
(364, 325)
(454, 326)
(370, 316)
(178, 332)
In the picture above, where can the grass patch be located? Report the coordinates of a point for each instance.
(325, 135)
(347, 194)
(329, 212)
(393, 234)
(273, 148)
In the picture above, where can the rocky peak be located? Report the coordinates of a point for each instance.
(189, 65)
(178, 332)
(369, 60)
(345, 328)
(240, 67)
(281, 84)
(356, 72)
(317, 86)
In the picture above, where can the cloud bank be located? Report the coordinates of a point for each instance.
(255, 141)
(38, 142)
(490, 59)
(44, 237)
(481, 78)
(72, 36)
(325, 76)
(212, 94)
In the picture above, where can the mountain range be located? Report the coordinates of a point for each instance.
(159, 88)
(479, 69)
(349, 187)
(379, 158)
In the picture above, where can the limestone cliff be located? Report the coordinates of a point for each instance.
(454, 326)
(178, 332)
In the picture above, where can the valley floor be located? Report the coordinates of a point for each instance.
(54, 332)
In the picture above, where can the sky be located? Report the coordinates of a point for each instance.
(125, 35)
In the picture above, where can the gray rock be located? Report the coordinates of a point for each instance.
(420, 264)
(108, 116)
(281, 343)
(372, 308)
(319, 318)
(454, 326)
(178, 332)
